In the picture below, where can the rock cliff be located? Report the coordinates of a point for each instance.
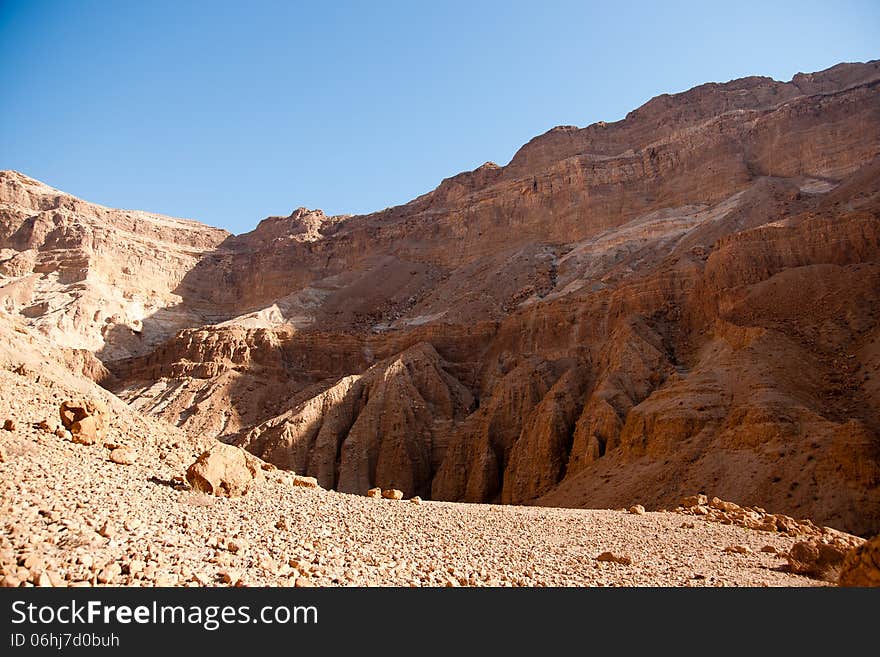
(684, 300)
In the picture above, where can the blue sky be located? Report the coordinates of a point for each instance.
(228, 112)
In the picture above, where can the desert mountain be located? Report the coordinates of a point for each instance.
(683, 300)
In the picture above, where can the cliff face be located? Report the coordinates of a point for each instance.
(89, 277)
(683, 300)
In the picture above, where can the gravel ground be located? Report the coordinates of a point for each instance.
(70, 516)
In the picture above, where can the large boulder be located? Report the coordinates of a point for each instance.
(86, 419)
(225, 471)
(861, 567)
(818, 557)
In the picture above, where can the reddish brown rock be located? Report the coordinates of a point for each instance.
(225, 471)
(861, 566)
(615, 558)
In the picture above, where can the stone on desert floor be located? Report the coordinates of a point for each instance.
(123, 455)
(374, 492)
(415, 500)
(637, 509)
(305, 482)
(224, 471)
(815, 557)
(9, 425)
(615, 558)
(861, 566)
(85, 419)
(392, 494)
(695, 500)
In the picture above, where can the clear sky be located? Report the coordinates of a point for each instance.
(228, 112)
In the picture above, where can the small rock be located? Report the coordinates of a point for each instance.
(131, 524)
(123, 456)
(721, 505)
(305, 482)
(281, 524)
(415, 500)
(107, 530)
(769, 549)
(237, 546)
(615, 558)
(695, 500)
(109, 573)
(9, 425)
(392, 494)
(303, 582)
(637, 509)
(737, 549)
(229, 576)
(374, 492)
(201, 579)
(136, 566)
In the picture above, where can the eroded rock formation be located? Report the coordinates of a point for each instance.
(683, 300)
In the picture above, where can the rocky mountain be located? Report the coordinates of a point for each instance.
(684, 300)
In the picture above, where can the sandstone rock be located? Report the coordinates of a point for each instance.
(737, 549)
(123, 456)
(695, 500)
(637, 509)
(374, 492)
(305, 482)
(392, 494)
(224, 470)
(815, 557)
(85, 419)
(616, 558)
(861, 566)
(84, 431)
(716, 503)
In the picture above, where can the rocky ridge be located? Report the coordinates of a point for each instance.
(683, 300)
